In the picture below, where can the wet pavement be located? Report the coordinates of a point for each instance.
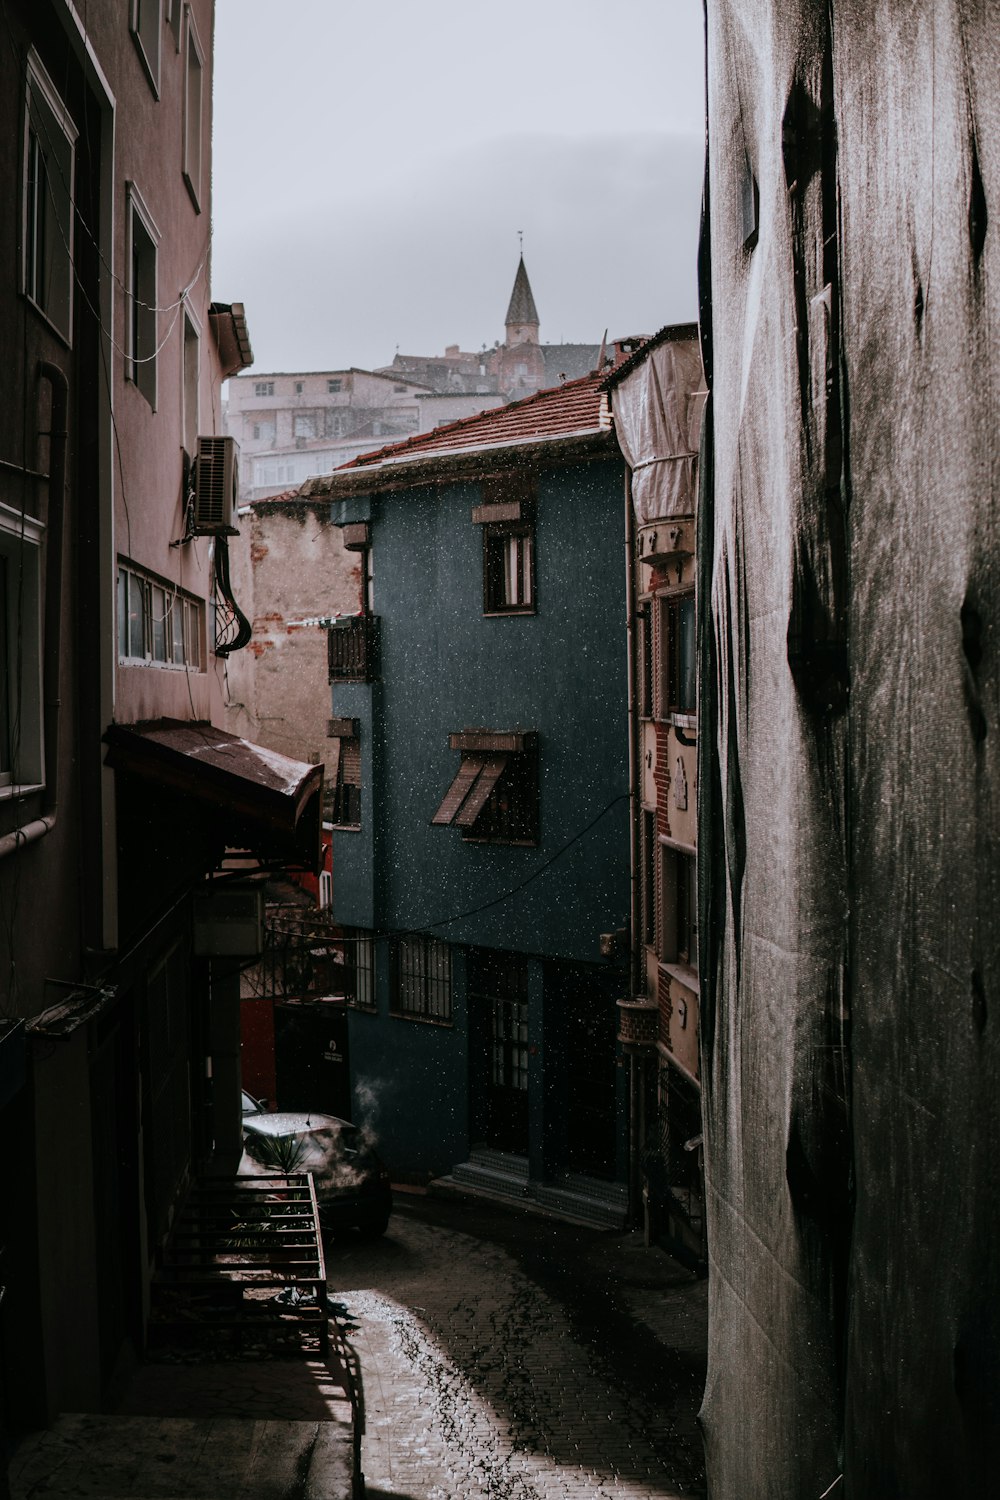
(509, 1355)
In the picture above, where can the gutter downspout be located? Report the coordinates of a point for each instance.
(29, 833)
(636, 1064)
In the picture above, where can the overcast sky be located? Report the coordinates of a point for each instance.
(375, 160)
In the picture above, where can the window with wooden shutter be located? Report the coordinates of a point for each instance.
(493, 797)
(345, 806)
(507, 516)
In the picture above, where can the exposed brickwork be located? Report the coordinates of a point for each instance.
(662, 778)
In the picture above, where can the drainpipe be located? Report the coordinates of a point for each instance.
(635, 1063)
(29, 833)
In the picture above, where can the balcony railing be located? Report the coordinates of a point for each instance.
(352, 649)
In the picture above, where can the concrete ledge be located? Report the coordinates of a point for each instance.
(83, 1457)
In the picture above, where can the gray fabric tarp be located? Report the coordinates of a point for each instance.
(658, 419)
(849, 589)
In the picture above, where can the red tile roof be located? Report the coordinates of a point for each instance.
(578, 406)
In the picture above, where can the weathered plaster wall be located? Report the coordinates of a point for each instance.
(289, 565)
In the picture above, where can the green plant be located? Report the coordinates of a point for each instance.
(281, 1153)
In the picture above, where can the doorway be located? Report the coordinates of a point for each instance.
(498, 1004)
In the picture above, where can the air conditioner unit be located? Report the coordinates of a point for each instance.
(228, 921)
(216, 481)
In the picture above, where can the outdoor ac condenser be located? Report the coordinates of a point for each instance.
(228, 921)
(216, 481)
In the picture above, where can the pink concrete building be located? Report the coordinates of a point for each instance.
(119, 1061)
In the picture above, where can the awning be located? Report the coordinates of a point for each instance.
(258, 799)
(466, 797)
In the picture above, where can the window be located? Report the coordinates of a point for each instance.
(20, 651)
(189, 372)
(494, 796)
(194, 105)
(264, 431)
(140, 364)
(333, 386)
(507, 516)
(298, 387)
(145, 28)
(49, 153)
(508, 568)
(421, 978)
(499, 981)
(344, 792)
(678, 906)
(173, 19)
(647, 836)
(303, 425)
(263, 387)
(644, 654)
(157, 624)
(678, 679)
(359, 968)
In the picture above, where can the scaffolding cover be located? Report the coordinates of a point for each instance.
(850, 754)
(657, 408)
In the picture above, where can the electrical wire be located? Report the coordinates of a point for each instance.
(147, 306)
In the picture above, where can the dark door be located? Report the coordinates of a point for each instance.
(116, 1172)
(312, 1069)
(591, 1113)
(498, 992)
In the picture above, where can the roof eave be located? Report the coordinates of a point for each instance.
(445, 466)
(232, 338)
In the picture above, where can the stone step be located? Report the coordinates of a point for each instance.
(493, 1179)
(573, 1203)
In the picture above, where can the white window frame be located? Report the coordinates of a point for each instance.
(194, 111)
(21, 664)
(145, 24)
(46, 117)
(172, 18)
(183, 619)
(140, 365)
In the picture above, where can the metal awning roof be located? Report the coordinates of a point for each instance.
(260, 800)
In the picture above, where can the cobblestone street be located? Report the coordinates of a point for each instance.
(509, 1355)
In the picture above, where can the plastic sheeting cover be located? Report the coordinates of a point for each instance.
(849, 598)
(657, 410)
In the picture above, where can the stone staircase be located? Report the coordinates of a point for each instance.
(496, 1174)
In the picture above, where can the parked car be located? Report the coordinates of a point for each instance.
(252, 1106)
(352, 1184)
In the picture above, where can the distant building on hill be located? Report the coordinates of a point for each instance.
(292, 426)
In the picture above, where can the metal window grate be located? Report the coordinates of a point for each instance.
(422, 978)
(352, 649)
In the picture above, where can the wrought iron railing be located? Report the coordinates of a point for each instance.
(352, 649)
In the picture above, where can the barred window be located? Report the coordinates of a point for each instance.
(421, 978)
(359, 968)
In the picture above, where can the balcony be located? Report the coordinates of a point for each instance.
(352, 649)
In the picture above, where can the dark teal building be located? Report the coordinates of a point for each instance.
(481, 843)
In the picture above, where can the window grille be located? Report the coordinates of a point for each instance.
(352, 649)
(421, 987)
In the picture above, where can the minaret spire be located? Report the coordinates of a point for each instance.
(522, 321)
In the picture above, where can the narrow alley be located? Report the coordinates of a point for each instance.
(513, 1356)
